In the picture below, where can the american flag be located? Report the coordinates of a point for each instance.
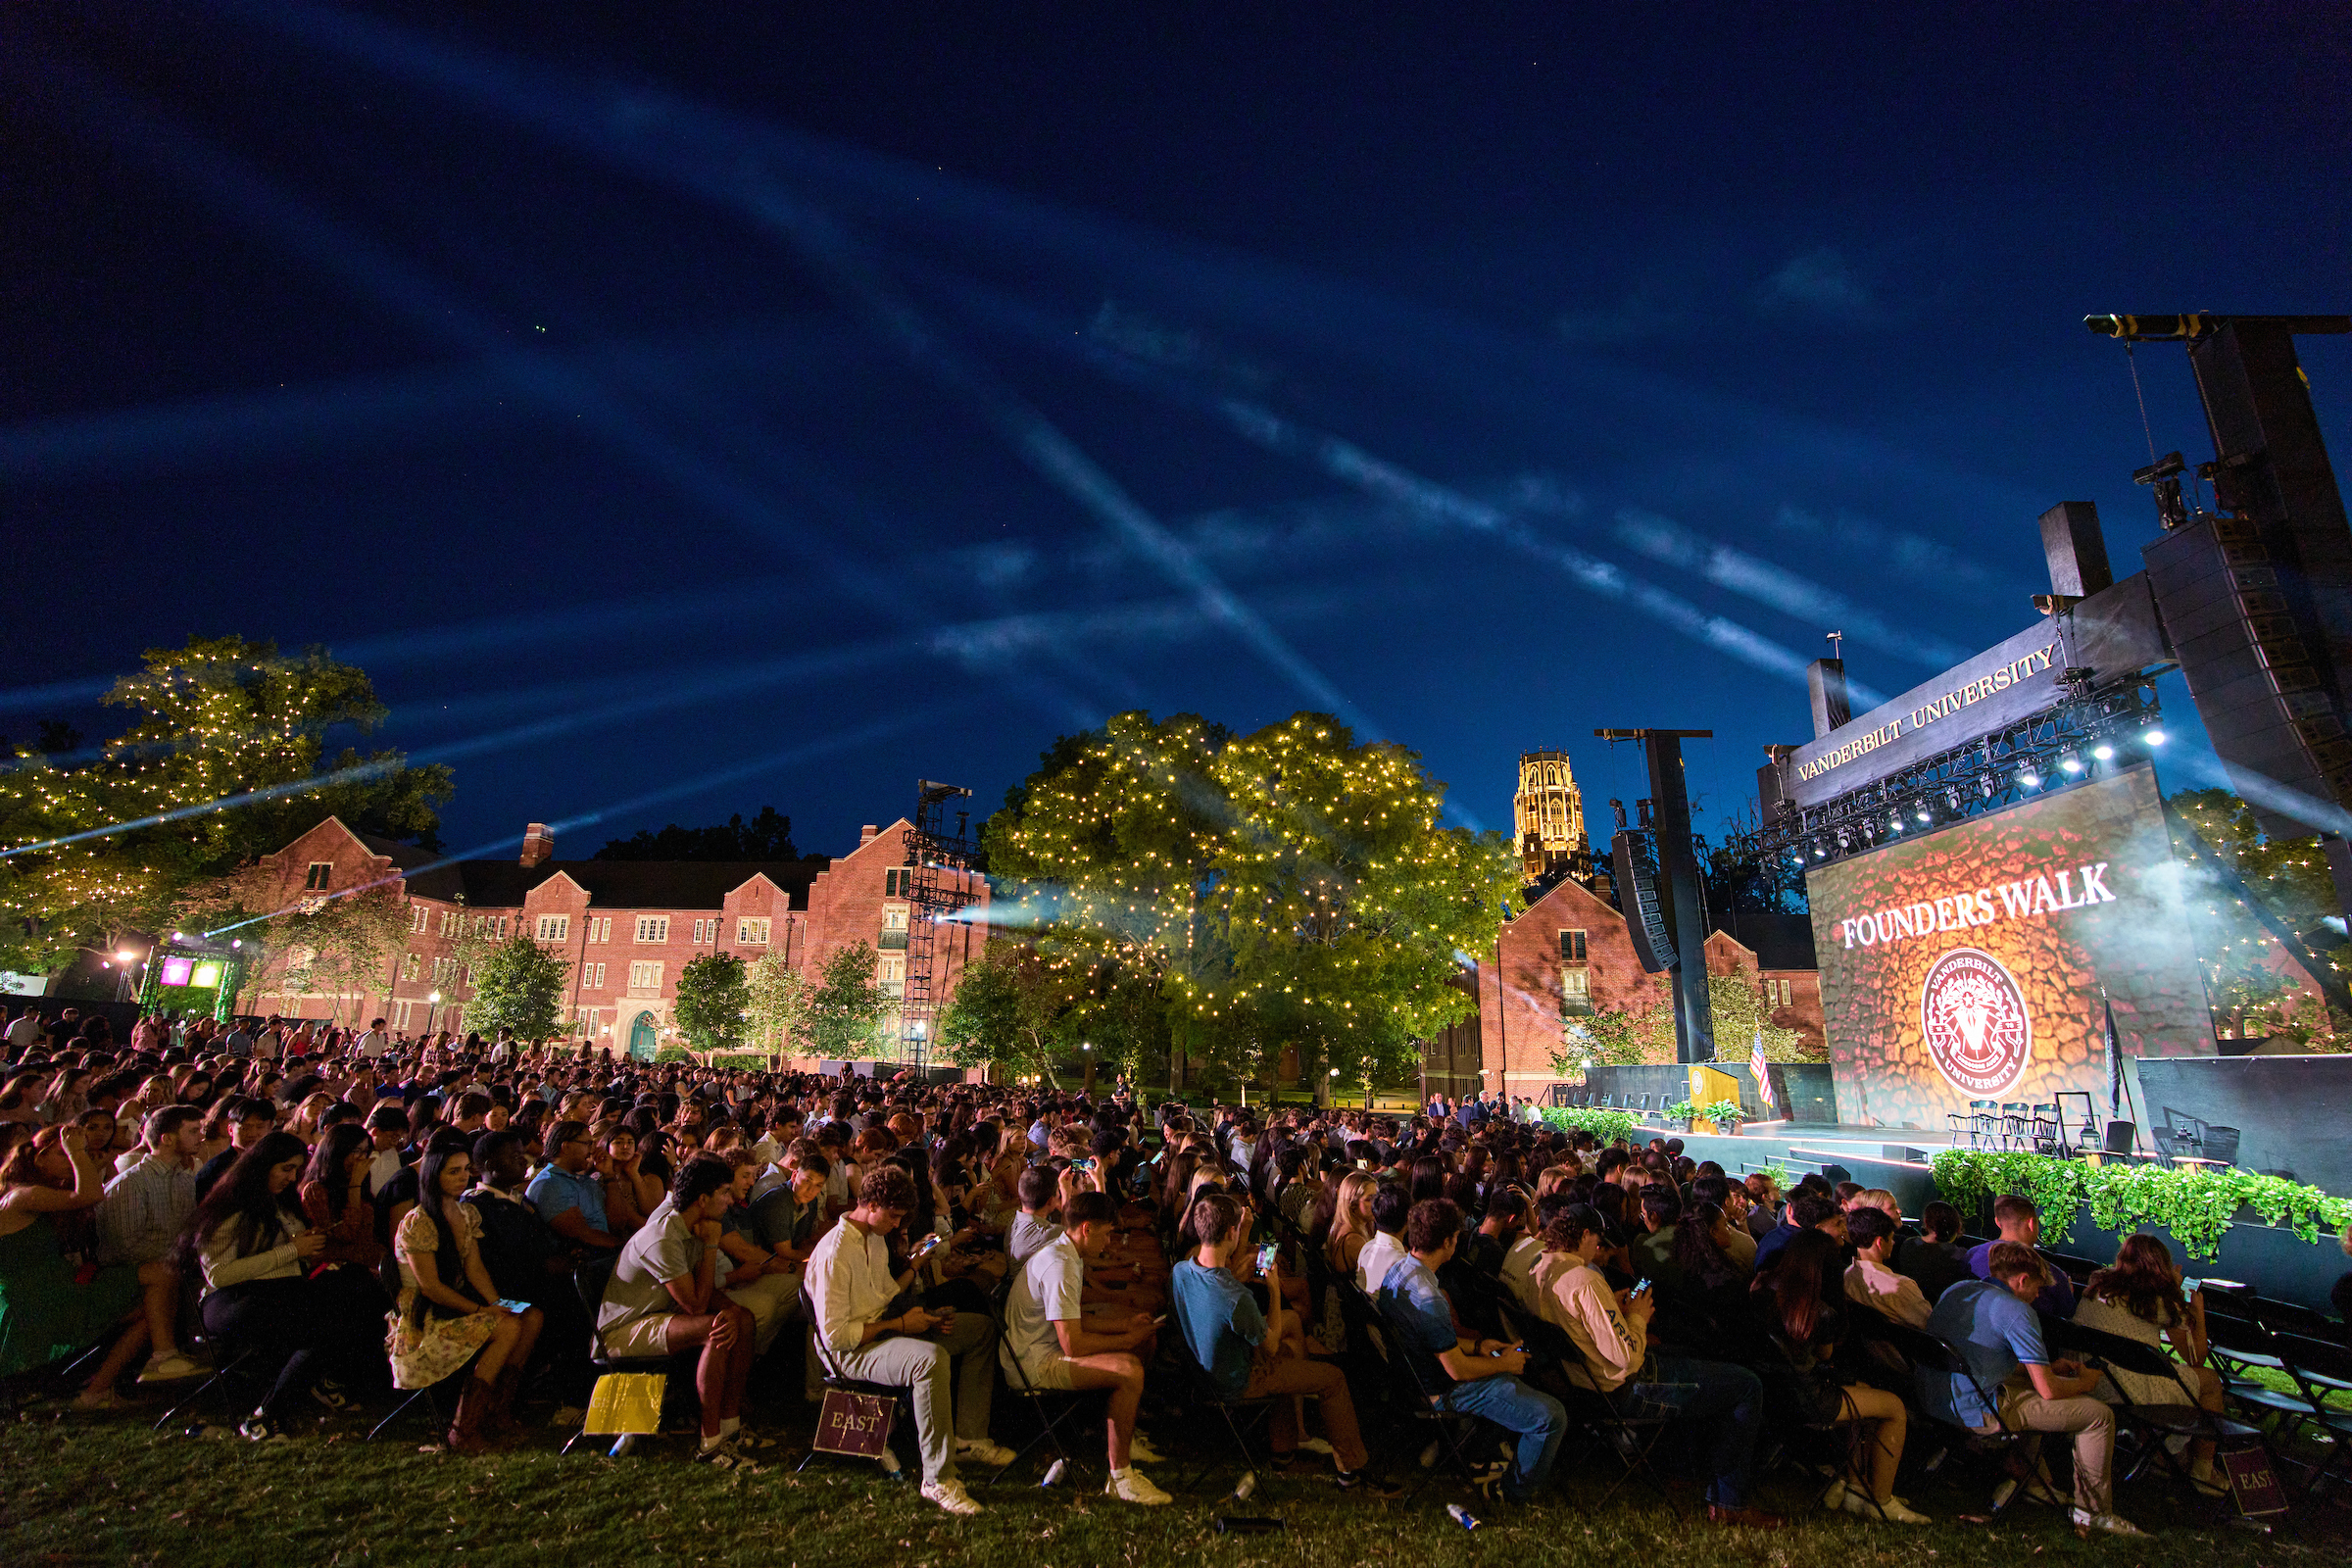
(1757, 1065)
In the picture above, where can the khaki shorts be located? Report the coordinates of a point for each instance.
(1049, 1371)
(646, 1337)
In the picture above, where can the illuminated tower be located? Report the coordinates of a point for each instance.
(1547, 816)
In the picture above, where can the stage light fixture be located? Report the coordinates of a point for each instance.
(1985, 786)
(1844, 841)
(1895, 823)
(2152, 735)
(2070, 762)
(1819, 850)
(2029, 778)
(2103, 752)
(1923, 814)
(1952, 797)
(1796, 860)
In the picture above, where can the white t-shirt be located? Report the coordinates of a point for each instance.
(1044, 1294)
(1380, 1255)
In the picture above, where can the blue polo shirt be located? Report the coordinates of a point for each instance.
(1221, 1323)
(2057, 1298)
(1416, 1307)
(554, 1191)
(1994, 1333)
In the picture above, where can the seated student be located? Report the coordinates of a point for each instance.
(257, 1252)
(1653, 1255)
(139, 1223)
(1033, 1227)
(1717, 1189)
(448, 1312)
(1500, 1232)
(569, 1194)
(1807, 1211)
(1723, 1402)
(1799, 1305)
(1047, 1344)
(49, 1306)
(764, 1282)
(526, 1261)
(1931, 1256)
(663, 1297)
(1872, 1280)
(247, 1122)
(787, 1200)
(854, 1299)
(1252, 1354)
(2139, 1298)
(1391, 1202)
(2020, 1221)
(1485, 1377)
(1706, 1295)
(1992, 1324)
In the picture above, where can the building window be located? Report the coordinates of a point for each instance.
(419, 917)
(400, 1014)
(645, 975)
(899, 882)
(1576, 990)
(653, 928)
(600, 929)
(1778, 993)
(408, 966)
(706, 930)
(315, 879)
(594, 975)
(895, 918)
(554, 927)
(1572, 947)
(751, 931)
(449, 922)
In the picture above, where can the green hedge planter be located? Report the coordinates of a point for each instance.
(2197, 1205)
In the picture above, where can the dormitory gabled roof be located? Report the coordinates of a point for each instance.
(610, 884)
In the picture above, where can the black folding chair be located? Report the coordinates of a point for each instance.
(1051, 1407)
(1202, 1390)
(1631, 1436)
(2322, 1370)
(431, 1396)
(2158, 1422)
(1925, 1351)
(588, 1283)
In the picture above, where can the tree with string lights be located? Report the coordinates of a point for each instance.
(222, 723)
(1285, 893)
(2254, 986)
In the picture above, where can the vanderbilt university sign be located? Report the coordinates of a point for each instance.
(1990, 692)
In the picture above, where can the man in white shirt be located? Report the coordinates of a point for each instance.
(870, 1333)
(1047, 1343)
(375, 1043)
(1872, 1280)
(140, 1220)
(25, 1032)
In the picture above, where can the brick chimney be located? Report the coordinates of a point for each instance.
(865, 835)
(538, 843)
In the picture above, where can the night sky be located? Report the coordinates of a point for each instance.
(773, 404)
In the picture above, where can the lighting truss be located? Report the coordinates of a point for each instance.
(2044, 753)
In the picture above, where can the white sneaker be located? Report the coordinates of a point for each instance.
(1141, 1451)
(1133, 1485)
(1314, 1445)
(169, 1368)
(984, 1450)
(951, 1496)
(1893, 1510)
(2113, 1523)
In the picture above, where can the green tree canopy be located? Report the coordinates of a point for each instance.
(518, 985)
(1288, 888)
(775, 1002)
(226, 729)
(712, 999)
(845, 1014)
(765, 837)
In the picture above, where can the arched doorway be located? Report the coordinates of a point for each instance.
(645, 1036)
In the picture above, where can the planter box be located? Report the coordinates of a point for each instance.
(2273, 1260)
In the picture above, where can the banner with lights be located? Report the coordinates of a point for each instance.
(1972, 963)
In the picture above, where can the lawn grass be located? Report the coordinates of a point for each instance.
(107, 1490)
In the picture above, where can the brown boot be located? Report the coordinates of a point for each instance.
(502, 1427)
(466, 1433)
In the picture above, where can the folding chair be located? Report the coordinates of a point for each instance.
(1925, 1351)
(588, 1283)
(1631, 1437)
(1424, 1405)
(431, 1396)
(1203, 1390)
(227, 1363)
(2158, 1422)
(1051, 1406)
(2322, 1368)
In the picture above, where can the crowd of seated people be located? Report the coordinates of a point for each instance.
(320, 1215)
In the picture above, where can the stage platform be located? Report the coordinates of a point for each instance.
(1893, 1157)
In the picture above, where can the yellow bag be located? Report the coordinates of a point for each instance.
(626, 1402)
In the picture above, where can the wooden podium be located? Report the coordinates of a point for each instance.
(1708, 1086)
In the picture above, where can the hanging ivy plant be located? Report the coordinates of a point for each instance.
(2197, 1205)
(1609, 1126)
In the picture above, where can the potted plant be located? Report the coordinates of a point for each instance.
(1722, 1115)
(1679, 1113)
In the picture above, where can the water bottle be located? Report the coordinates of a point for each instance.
(1461, 1516)
(1245, 1485)
(1053, 1472)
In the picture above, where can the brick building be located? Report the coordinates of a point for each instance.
(1569, 952)
(627, 927)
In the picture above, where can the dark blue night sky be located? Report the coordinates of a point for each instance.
(714, 406)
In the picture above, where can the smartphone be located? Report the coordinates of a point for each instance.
(1082, 1164)
(925, 1248)
(1265, 1256)
(515, 1307)
(1641, 1288)
(2189, 1288)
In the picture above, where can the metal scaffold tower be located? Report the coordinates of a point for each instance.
(940, 884)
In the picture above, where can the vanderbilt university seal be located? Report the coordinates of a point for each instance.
(1973, 1017)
